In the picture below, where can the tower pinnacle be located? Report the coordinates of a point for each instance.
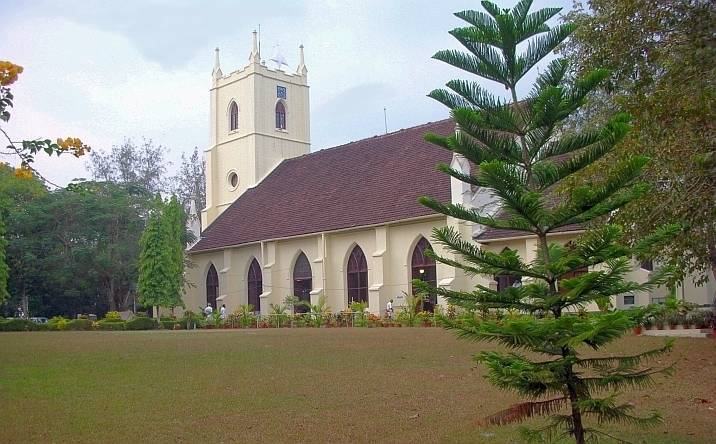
(255, 56)
(216, 73)
(301, 69)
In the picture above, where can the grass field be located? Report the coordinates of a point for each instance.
(300, 385)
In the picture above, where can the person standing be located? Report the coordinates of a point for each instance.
(222, 312)
(208, 310)
(389, 310)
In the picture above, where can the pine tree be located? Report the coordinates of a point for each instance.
(520, 155)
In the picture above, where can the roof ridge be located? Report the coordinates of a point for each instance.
(374, 137)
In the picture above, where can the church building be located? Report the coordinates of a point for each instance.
(341, 223)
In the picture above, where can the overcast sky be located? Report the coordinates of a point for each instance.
(104, 71)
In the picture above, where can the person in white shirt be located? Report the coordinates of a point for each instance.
(208, 310)
(222, 312)
(389, 309)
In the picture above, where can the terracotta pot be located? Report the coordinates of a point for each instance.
(637, 330)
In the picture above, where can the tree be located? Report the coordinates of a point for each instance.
(4, 269)
(161, 260)
(131, 164)
(662, 57)
(521, 156)
(190, 182)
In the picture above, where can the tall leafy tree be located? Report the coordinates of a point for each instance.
(4, 269)
(190, 182)
(662, 58)
(521, 156)
(130, 163)
(161, 260)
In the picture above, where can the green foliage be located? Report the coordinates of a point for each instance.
(408, 314)
(4, 269)
(20, 325)
(523, 158)
(278, 316)
(113, 316)
(111, 325)
(161, 260)
(192, 320)
(319, 313)
(170, 324)
(142, 323)
(662, 58)
(57, 323)
(79, 325)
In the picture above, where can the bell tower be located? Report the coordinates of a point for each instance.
(259, 116)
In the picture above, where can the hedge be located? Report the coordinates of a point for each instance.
(141, 323)
(79, 324)
(169, 324)
(111, 325)
(21, 325)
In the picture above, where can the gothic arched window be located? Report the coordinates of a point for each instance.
(280, 116)
(233, 116)
(256, 287)
(423, 268)
(302, 281)
(212, 286)
(357, 276)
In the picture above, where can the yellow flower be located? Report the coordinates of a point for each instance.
(23, 172)
(9, 72)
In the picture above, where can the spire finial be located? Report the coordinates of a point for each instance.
(255, 54)
(301, 69)
(216, 73)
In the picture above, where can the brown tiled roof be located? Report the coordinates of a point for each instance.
(367, 182)
(493, 234)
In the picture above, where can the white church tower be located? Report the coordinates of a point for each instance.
(259, 117)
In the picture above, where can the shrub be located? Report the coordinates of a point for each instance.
(111, 325)
(57, 323)
(192, 320)
(20, 325)
(112, 316)
(79, 324)
(169, 324)
(142, 323)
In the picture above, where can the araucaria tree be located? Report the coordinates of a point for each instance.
(522, 158)
(161, 260)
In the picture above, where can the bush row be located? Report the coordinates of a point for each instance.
(58, 324)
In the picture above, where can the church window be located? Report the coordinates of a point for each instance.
(281, 92)
(280, 116)
(357, 276)
(302, 281)
(233, 179)
(255, 280)
(423, 268)
(506, 280)
(233, 117)
(212, 286)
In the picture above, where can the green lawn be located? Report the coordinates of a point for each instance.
(299, 385)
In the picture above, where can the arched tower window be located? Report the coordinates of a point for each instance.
(256, 287)
(280, 116)
(357, 276)
(302, 281)
(233, 116)
(212, 286)
(423, 268)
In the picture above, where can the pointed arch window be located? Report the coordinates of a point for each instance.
(212, 286)
(256, 287)
(233, 116)
(280, 116)
(357, 273)
(302, 281)
(423, 268)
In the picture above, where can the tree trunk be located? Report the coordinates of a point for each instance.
(712, 260)
(25, 302)
(577, 427)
